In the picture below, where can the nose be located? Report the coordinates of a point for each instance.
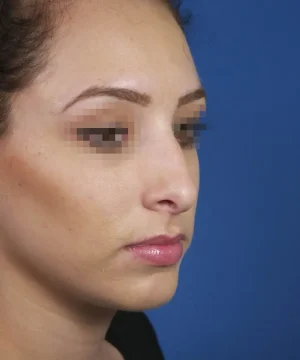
(172, 181)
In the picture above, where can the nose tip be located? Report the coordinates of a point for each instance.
(174, 198)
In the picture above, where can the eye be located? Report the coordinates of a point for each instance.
(103, 137)
(110, 138)
(188, 133)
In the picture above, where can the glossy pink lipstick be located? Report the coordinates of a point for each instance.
(160, 250)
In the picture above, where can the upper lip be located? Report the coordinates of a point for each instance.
(161, 240)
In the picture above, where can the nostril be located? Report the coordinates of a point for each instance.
(167, 204)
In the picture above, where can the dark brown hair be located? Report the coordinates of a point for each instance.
(26, 30)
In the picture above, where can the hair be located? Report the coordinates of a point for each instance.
(26, 30)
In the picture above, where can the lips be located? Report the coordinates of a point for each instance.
(162, 250)
(160, 240)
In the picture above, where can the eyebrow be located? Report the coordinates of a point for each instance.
(129, 95)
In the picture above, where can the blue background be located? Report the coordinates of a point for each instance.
(239, 284)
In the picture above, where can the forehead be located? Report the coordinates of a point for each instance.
(135, 44)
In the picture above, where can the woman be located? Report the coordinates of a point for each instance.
(99, 103)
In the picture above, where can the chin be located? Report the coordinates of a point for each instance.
(135, 291)
(149, 292)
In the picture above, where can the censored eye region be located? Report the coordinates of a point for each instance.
(98, 137)
(187, 133)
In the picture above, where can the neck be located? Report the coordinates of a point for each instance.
(36, 324)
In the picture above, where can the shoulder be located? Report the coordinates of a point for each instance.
(134, 336)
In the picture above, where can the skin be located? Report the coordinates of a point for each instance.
(66, 210)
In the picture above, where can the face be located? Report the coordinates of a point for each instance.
(72, 201)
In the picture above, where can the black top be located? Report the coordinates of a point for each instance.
(133, 335)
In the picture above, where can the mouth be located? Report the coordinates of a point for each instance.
(162, 250)
(160, 240)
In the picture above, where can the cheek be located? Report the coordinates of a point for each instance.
(193, 165)
(27, 182)
(61, 222)
(62, 197)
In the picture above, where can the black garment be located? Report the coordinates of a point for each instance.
(133, 335)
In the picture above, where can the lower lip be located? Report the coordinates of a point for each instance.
(161, 255)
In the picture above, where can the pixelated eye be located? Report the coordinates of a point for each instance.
(188, 133)
(103, 137)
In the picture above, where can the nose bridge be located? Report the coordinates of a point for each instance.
(169, 155)
(169, 178)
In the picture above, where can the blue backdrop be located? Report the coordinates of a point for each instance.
(239, 285)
